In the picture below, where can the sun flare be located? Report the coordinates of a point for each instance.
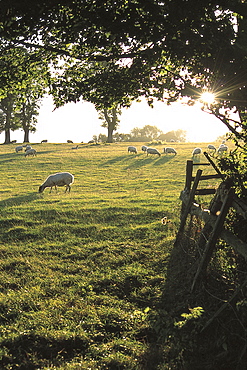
(207, 97)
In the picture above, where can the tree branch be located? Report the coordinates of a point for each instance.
(59, 51)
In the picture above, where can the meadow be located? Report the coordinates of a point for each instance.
(89, 279)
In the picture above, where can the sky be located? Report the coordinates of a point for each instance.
(79, 122)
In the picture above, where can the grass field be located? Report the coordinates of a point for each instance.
(87, 277)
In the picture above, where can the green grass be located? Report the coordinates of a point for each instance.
(85, 275)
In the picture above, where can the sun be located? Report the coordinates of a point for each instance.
(207, 98)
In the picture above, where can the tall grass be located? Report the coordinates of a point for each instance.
(83, 273)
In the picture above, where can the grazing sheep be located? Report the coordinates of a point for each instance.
(70, 141)
(144, 148)
(211, 147)
(44, 141)
(18, 148)
(222, 148)
(30, 152)
(169, 150)
(58, 179)
(13, 141)
(196, 152)
(153, 151)
(28, 147)
(132, 149)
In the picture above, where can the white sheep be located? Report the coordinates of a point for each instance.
(211, 147)
(58, 179)
(153, 151)
(144, 148)
(196, 152)
(28, 147)
(19, 148)
(169, 150)
(222, 148)
(30, 152)
(132, 149)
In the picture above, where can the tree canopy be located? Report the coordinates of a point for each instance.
(146, 133)
(113, 52)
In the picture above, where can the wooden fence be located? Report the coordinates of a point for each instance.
(214, 217)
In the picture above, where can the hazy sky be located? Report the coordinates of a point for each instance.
(79, 122)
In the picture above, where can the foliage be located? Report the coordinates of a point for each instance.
(112, 53)
(23, 84)
(195, 313)
(177, 135)
(8, 119)
(234, 167)
(146, 133)
(110, 118)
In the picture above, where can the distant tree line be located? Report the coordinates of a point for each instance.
(144, 134)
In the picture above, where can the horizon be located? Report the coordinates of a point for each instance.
(79, 122)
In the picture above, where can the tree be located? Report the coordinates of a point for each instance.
(114, 52)
(178, 135)
(7, 116)
(27, 114)
(146, 133)
(167, 46)
(121, 137)
(23, 82)
(110, 119)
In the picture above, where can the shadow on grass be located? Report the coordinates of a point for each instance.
(9, 157)
(138, 160)
(12, 157)
(32, 351)
(46, 151)
(114, 160)
(154, 161)
(188, 346)
(27, 198)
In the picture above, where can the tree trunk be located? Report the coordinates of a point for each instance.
(8, 120)
(112, 124)
(110, 134)
(26, 135)
(7, 136)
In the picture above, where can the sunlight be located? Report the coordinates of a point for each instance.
(207, 98)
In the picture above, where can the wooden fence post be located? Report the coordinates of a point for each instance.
(188, 205)
(215, 206)
(213, 238)
(189, 170)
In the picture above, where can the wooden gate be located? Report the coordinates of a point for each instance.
(214, 217)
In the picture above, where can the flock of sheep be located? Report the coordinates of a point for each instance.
(66, 179)
(169, 150)
(28, 150)
(148, 150)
